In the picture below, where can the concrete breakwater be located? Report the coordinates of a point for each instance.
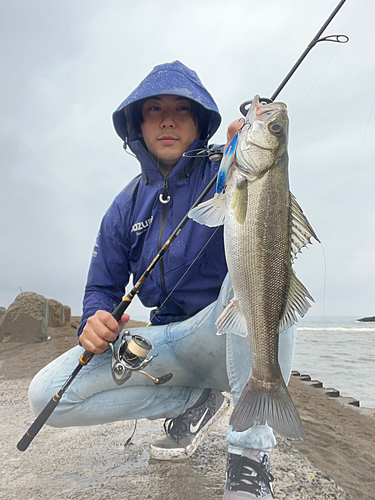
(29, 316)
(334, 393)
(93, 462)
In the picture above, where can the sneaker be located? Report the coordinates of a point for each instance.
(185, 433)
(248, 476)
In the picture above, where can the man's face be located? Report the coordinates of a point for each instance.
(168, 128)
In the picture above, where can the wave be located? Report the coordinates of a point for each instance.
(334, 329)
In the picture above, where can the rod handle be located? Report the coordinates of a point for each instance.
(38, 423)
(85, 358)
(121, 308)
(117, 314)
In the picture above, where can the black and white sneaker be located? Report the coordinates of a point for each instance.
(248, 476)
(185, 433)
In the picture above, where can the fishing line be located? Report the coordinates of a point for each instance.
(325, 67)
(324, 283)
(183, 276)
(314, 84)
(360, 154)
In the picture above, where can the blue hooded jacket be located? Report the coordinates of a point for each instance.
(138, 223)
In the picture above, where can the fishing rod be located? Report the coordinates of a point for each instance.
(132, 355)
(311, 45)
(138, 346)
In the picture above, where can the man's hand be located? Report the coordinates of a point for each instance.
(233, 128)
(101, 329)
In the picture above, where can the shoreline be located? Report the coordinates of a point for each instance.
(334, 394)
(335, 461)
(340, 436)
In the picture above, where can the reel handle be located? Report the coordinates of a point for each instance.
(165, 378)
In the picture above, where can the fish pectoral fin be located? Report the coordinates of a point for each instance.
(296, 303)
(230, 320)
(302, 232)
(210, 213)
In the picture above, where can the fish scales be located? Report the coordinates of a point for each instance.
(264, 229)
(258, 258)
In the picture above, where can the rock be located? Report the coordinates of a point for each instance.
(332, 393)
(3, 312)
(67, 313)
(316, 384)
(26, 319)
(368, 319)
(56, 313)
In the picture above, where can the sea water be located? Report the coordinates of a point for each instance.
(337, 350)
(340, 352)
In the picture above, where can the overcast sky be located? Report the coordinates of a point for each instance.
(66, 66)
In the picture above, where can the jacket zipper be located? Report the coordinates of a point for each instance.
(164, 199)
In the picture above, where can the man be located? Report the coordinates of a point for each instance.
(168, 114)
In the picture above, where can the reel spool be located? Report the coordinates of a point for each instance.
(131, 356)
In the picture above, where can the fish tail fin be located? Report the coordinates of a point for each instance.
(274, 408)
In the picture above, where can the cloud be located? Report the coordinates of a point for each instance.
(67, 66)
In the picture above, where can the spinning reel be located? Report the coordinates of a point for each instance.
(131, 356)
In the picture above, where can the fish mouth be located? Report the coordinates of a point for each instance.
(270, 108)
(255, 145)
(259, 109)
(257, 141)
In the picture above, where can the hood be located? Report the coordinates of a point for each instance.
(170, 78)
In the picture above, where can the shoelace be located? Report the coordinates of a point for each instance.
(240, 478)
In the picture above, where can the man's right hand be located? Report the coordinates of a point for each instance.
(101, 329)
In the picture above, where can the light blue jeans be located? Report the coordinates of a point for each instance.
(190, 350)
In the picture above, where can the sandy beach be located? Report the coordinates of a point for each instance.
(334, 462)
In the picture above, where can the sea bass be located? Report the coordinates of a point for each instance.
(264, 229)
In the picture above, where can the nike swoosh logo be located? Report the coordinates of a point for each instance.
(194, 428)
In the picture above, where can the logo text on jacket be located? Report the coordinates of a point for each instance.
(141, 227)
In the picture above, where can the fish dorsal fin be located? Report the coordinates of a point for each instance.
(210, 213)
(302, 232)
(296, 303)
(230, 320)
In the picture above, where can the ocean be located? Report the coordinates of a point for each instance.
(340, 352)
(337, 350)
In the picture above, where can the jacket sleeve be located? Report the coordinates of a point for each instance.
(109, 268)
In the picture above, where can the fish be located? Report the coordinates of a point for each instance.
(264, 229)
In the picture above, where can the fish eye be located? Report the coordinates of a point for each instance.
(276, 128)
